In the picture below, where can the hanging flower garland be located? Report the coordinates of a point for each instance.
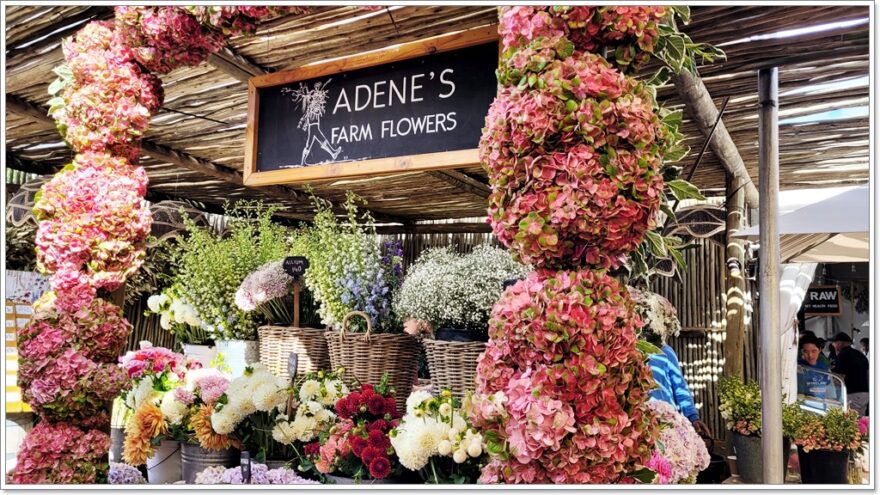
(573, 148)
(94, 223)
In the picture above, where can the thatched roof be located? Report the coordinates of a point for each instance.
(201, 160)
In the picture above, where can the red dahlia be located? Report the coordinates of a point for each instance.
(358, 444)
(380, 467)
(376, 405)
(377, 439)
(312, 448)
(371, 453)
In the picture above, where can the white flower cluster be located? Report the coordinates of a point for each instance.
(173, 309)
(256, 390)
(173, 410)
(451, 290)
(142, 392)
(313, 414)
(426, 432)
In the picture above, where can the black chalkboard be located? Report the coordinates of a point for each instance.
(295, 266)
(428, 104)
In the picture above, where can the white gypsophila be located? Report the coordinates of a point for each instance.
(415, 399)
(450, 290)
(309, 390)
(173, 410)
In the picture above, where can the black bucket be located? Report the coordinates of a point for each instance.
(823, 466)
(715, 472)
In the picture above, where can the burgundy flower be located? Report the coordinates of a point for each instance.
(358, 444)
(370, 453)
(380, 468)
(378, 439)
(376, 405)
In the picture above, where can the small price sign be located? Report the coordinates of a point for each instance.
(295, 266)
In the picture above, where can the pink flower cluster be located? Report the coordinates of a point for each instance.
(209, 388)
(679, 445)
(153, 361)
(59, 453)
(240, 20)
(98, 331)
(266, 283)
(108, 104)
(562, 354)
(93, 227)
(628, 33)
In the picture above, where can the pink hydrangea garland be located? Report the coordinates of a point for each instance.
(59, 453)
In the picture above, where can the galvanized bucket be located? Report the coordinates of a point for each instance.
(195, 459)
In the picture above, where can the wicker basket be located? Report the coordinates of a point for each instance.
(276, 344)
(366, 357)
(453, 365)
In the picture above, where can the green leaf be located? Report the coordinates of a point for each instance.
(655, 241)
(678, 258)
(676, 153)
(660, 77)
(667, 210)
(683, 189)
(56, 86)
(673, 118)
(644, 475)
(683, 11)
(63, 71)
(647, 347)
(676, 50)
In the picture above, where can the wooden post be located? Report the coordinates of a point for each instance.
(297, 287)
(736, 283)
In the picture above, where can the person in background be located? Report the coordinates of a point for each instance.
(865, 347)
(809, 334)
(853, 365)
(671, 386)
(811, 381)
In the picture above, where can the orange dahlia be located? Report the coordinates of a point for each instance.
(147, 423)
(205, 434)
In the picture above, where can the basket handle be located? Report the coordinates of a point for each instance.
(362, 315)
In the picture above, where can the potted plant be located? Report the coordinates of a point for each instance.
(357, 449)
(247, 411)
(317, 394)
(741, 409)
(435, 439)
(354, 279)
(181, 318)
(267, 290)
(211, 268)
(455, 293)
(826, 444)
(152, 433)
(190, 406)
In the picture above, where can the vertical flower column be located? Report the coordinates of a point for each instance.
(94, 222)
(573, 148)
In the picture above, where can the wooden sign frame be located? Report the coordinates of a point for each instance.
(349, 169)
(839, 300)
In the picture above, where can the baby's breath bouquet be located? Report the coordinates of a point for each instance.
(211, 268)
(451, 290)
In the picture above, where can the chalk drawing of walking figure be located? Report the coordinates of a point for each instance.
(314, 102)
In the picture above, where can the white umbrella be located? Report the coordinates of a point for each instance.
(833, 230)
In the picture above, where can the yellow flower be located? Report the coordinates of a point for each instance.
(147, 423)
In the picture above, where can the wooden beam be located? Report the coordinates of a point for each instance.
(64, 27)
(16, 162)
(735, 331)
(463, 182)
(169, 155)
(436, 228)
(702, 109)
(236, 65)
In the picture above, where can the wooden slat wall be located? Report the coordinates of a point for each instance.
(700, 300)
(146, 328)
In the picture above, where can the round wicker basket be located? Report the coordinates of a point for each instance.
(366, 357)
(453, 365)
(276, 344)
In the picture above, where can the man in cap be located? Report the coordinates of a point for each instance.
(853, 365)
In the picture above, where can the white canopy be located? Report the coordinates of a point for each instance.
(832, 230)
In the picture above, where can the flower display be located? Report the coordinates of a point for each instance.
(835, 430)
(266, 283)
(740, 406)
(239, 20)
(318, 393)
(123, 474)
(679, 445)
(93, 226)
(457, 291)
(157, 362)
(358, 445)
(260, 475)
(178, 316)
(658, 315)
(562, 353)
(59, 453)
(434, 433)
(348, 270)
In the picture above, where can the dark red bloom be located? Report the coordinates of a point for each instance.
(358, 444)
(312, 448)
(380, 467)
(342, 408)
(391, 407)
(379, 425)
(370, 453)
(376, 405)
(378, 439)
(367, 387)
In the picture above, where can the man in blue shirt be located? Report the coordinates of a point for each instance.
(671, 386)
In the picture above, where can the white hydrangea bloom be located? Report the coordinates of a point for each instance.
(173, 410)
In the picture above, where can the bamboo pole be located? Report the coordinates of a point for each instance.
(736, 284)
(771, 380)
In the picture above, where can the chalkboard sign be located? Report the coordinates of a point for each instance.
(295, 266)
(822, 300)
(421, 106)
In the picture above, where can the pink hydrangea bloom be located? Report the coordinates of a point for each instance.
(59, 453)
(210, 388)
(682, 447)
